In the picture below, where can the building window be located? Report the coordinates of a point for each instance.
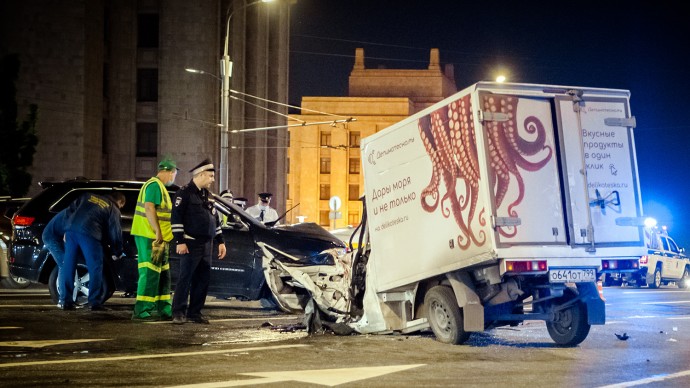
(354, 166)
(287, 190)
(353, 193)
(325, 166)
(147, 139)
(147, 85)
(354, 139)
(325, 191)
(287, 166)
(323, 218)
(325, 139)
(353, 218)
(147, 30)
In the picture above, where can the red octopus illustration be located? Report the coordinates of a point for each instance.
(507, 151)
(449, 139)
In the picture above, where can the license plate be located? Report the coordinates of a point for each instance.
(572, 275)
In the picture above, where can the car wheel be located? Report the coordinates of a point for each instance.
(15, 282)
(656, 282)
(570, 326)
(81, 286)
(684, 281)
(444, 316)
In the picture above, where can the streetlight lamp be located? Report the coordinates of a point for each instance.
(225, 74)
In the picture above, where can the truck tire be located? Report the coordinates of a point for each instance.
(570, 326)
(684, 281)
(81, 286)
(656, 280)
(445, 316)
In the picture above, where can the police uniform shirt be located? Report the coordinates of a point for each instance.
(194, 217)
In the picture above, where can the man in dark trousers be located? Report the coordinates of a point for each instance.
(94, 223)
(195, 228)
(54, 239)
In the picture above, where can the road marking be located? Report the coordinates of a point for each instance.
(655, 292)
(670, 302)
(10, 327)
(27, 305)
(328, 377)
(146, 356)
(44, 343)
(678, 318)
(649, 380)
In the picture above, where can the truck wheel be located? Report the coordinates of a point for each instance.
(656, 282)
(444, 315)
(569, 326)
(684, 281)
(81, 286)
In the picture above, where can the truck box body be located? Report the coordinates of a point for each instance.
(496, 172)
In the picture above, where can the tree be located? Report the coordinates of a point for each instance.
(18, 140)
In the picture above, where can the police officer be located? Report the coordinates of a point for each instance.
(263, 211)
(195, 228)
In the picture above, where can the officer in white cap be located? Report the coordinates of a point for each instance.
(195, 227)
(262, 211)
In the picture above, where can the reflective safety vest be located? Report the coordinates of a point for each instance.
(140, 224)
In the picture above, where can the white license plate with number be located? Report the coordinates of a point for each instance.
(572, 275)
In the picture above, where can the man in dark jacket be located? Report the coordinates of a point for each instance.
(94, 223)
(195, 227)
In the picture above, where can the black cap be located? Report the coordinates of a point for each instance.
(265, 196)
(206, 165)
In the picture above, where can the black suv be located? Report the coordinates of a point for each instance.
(238, 275)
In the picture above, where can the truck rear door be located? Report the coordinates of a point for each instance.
(523, 169)
(600, 169)
(562, 169)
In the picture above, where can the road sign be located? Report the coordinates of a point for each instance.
(334, 203)
(335, 215)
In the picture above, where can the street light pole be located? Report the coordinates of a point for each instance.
(225, 74)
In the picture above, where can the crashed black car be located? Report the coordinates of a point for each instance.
(239, 274)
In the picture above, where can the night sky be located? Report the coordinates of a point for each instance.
(643, 49)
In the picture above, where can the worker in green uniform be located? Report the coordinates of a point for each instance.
(152, 233)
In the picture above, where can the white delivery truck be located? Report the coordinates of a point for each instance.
(498, 205)
(494, 206)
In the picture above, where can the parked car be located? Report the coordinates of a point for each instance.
(8, 206)
(664, 263)
(239, 275)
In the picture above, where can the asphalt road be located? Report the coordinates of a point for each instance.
(247, 345)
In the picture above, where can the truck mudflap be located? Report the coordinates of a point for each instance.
(596, 308)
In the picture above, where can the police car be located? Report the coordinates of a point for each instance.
(664, 263)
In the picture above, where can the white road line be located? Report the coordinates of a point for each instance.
(147, 356)
(670, 302)
(656, 292)
(44, 343)
(649, 380)
(328, 377)
(26, 305)
(678, 318)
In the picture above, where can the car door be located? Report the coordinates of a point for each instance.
(675, 261)
(235, 275)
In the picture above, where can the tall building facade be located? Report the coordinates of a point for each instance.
(325, 161)
(113, 95)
